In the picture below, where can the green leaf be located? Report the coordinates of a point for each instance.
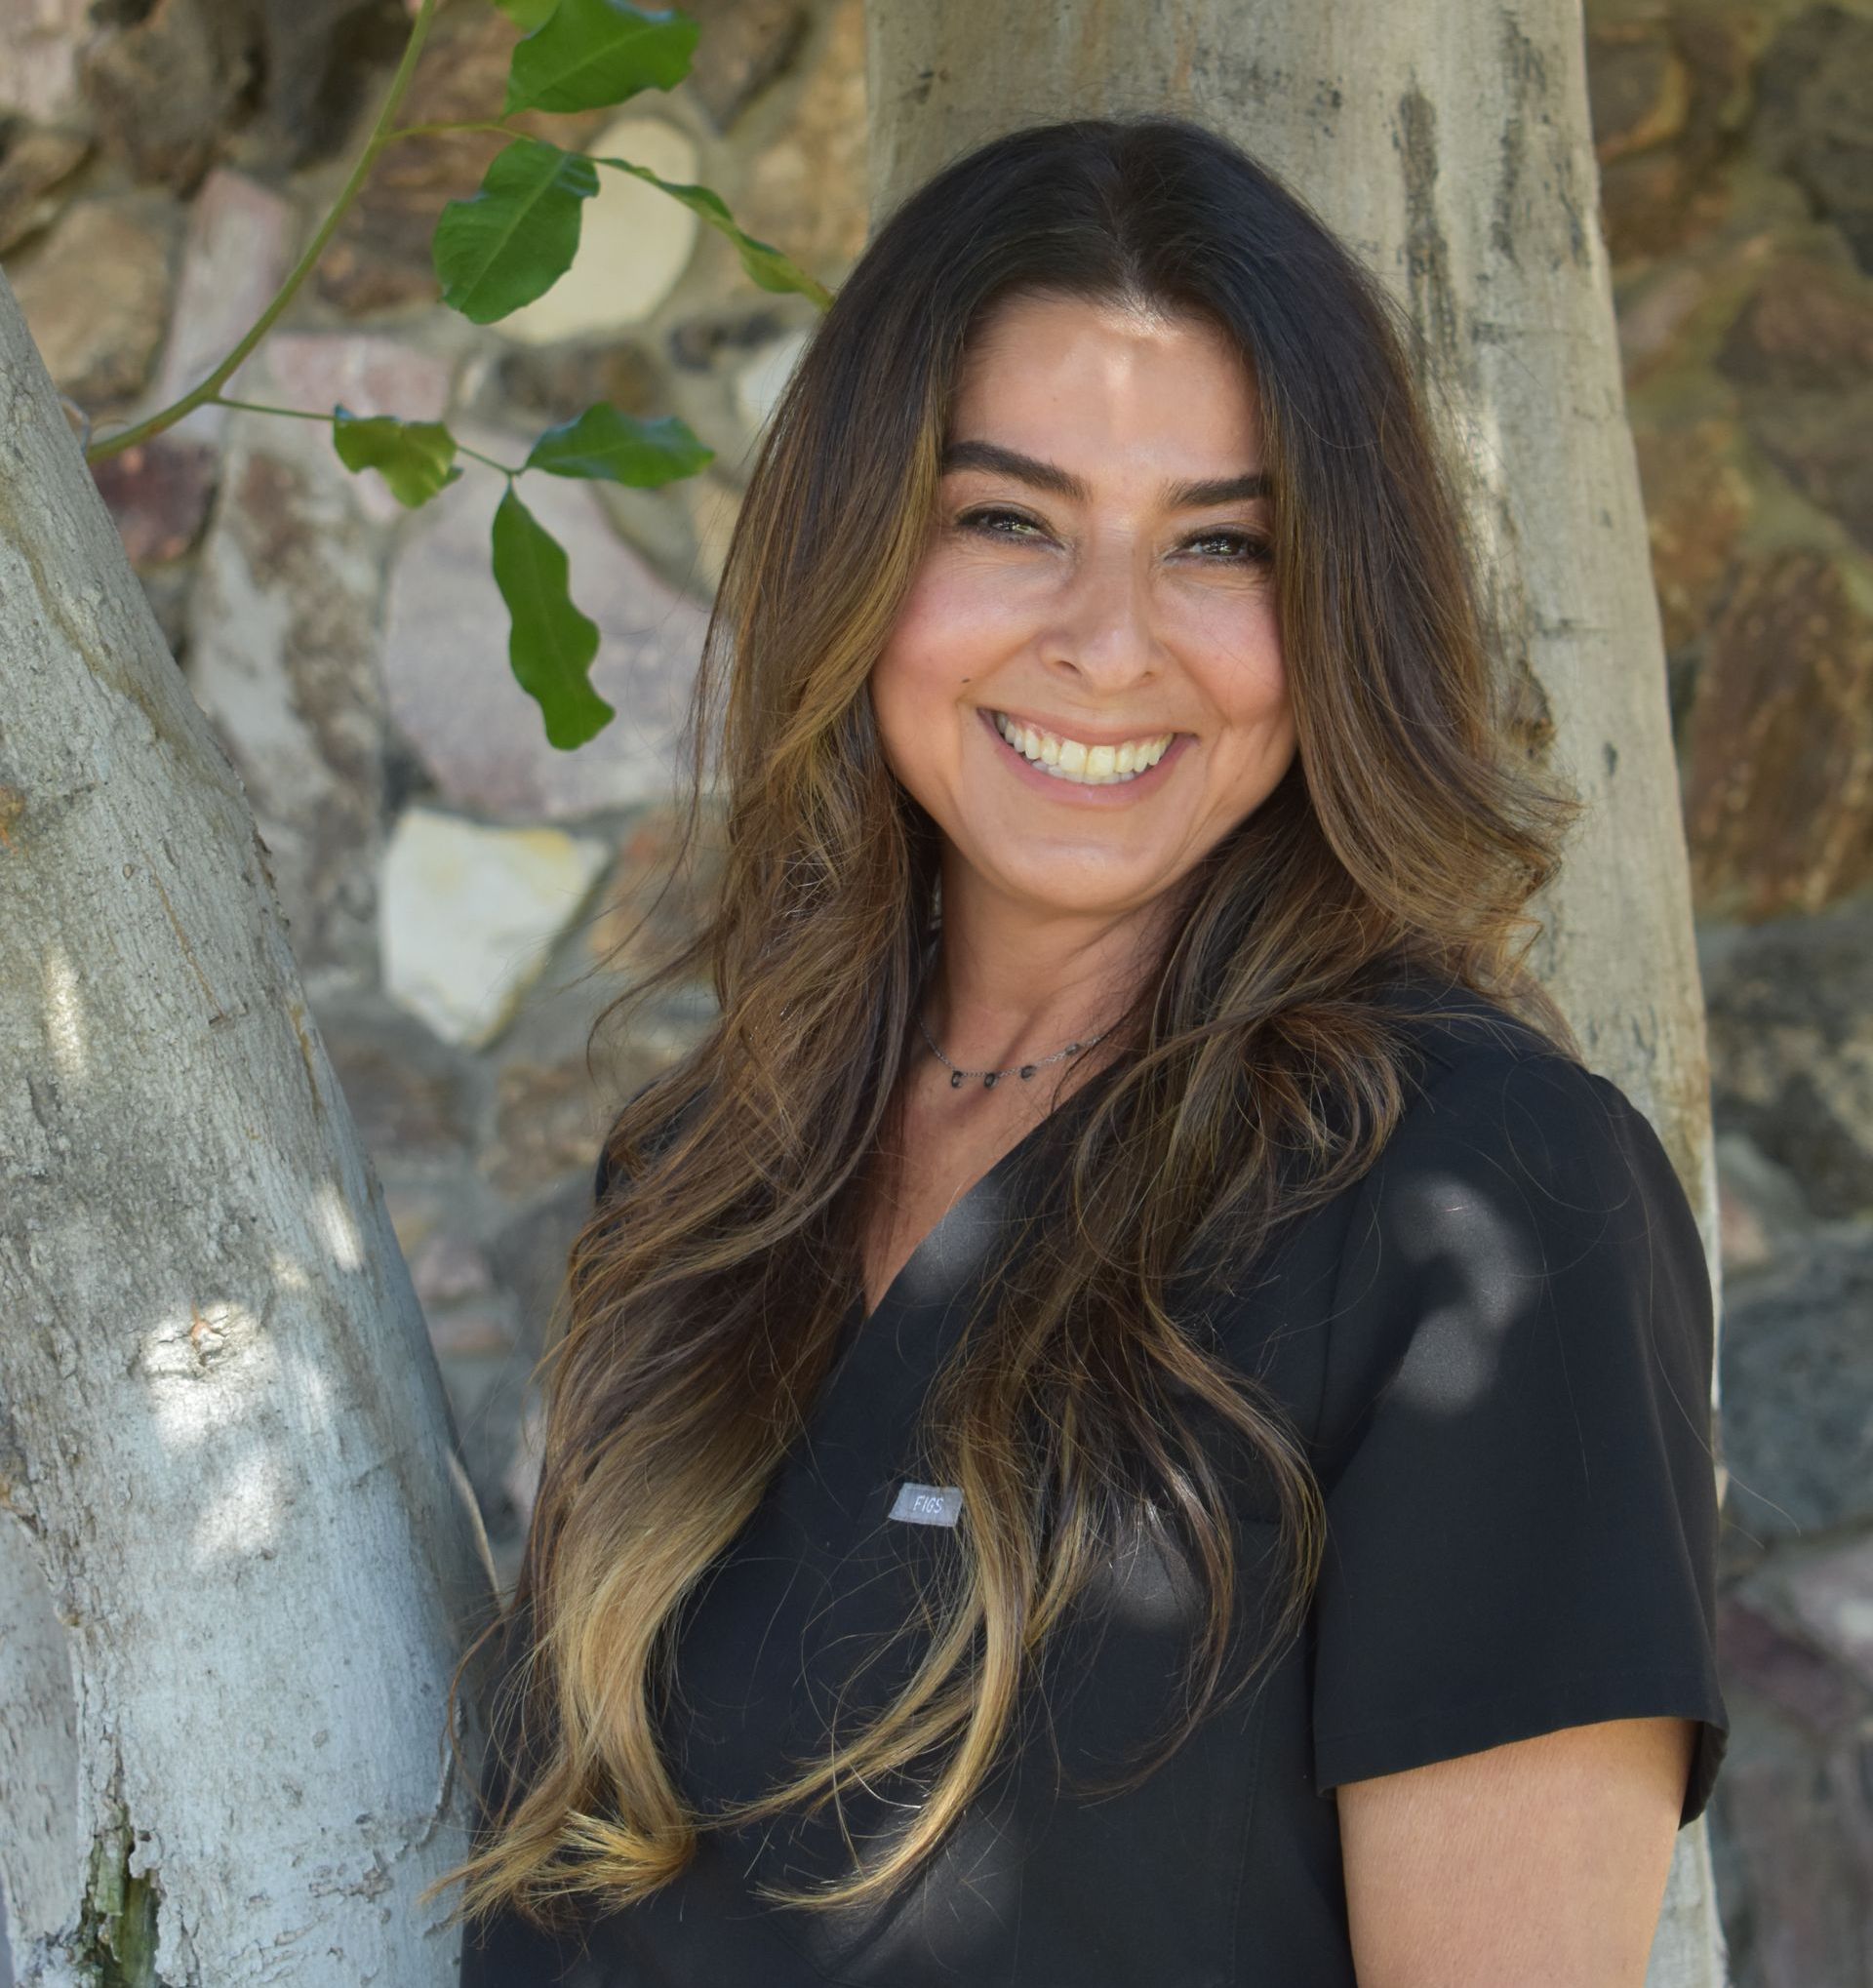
(591, 53)
(762, 260)
(608, 444)
(551, 643)
(527, 14)
(514, 240)
(415, 458)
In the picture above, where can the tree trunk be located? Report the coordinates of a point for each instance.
(1449, 146)
(241, 1556)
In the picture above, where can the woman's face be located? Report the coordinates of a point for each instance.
(1096, 576)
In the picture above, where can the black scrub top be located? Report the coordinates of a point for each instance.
(1497, 1345)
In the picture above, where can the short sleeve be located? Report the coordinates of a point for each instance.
(1516, 1456)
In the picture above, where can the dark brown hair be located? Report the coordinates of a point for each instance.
(703, 1301)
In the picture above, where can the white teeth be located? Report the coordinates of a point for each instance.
(1090, 765)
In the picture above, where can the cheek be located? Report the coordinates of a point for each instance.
(1236, 649)
(937, 645)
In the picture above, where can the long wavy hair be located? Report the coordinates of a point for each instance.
(1267, 1066)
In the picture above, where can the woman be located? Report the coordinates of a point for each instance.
(1131, 1414)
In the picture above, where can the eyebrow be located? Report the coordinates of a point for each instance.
(1062, 483)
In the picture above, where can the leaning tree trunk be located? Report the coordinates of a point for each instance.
(1449, 146)
(238, 1555)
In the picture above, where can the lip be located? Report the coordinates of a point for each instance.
(1119, 794)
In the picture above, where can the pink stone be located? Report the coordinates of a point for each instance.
(158, 493)
(370, 372)
(239, 248)
(448, 1268)
(365, 372)
(1831, 1595)
(1757, 1652)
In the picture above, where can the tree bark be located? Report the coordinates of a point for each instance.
(240, 1555)
(1451, 148)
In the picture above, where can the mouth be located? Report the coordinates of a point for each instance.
(1079, 764)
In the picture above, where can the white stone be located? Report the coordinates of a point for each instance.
(468, 914)
(759, 382)
(634, 241)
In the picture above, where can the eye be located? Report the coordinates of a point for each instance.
(1243, 547)
(989, 520)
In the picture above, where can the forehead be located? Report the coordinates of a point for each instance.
(1048, 374)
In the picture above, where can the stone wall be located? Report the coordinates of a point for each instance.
(1737, 156)
(452, 882)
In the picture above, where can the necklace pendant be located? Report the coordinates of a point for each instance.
(956, 1082)
(1027, 1070)
(988, 1081)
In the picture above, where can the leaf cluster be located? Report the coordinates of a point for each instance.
(508, 244)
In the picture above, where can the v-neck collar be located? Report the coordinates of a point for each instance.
(949, 1236)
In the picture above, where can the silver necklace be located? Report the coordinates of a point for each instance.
(1024, 1070)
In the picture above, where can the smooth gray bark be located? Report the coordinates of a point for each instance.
(1449, 146)
(238, 1554)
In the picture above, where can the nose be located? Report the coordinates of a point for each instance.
(1102, 627)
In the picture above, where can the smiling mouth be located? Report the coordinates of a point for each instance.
(1082, 764)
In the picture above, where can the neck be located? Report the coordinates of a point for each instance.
(1014, 981)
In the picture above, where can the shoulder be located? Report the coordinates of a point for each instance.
(1495, 1097)
(1491, 1086)
(1523, 1209)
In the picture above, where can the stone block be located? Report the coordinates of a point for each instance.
(1790, 1027)
(1778, 801)
(1807, 328)
(94, 291)
(370, 372)
(1639, 86)
(1697, 501)
(548, 1124)
(745, 43)
(165, 83)
(412, 1096)
(1830, 1592)
(467, 913)
(40, 44)
(1813, 86)
(159, 493)
(804, 190)
(1757, 1652)
(1797, 1389)
(32, 163)
(240, 243)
